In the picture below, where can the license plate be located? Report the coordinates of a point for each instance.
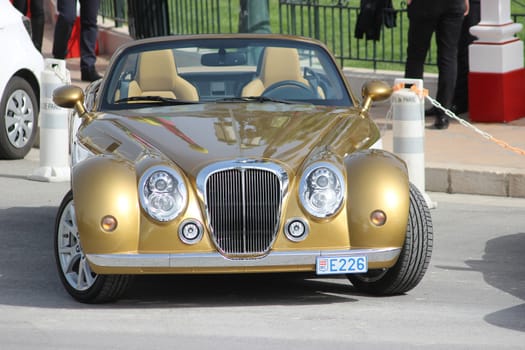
(341, 265)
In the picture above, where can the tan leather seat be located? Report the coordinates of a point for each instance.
(157, 76)
(278, 64)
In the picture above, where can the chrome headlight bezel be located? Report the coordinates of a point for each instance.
(322, 182)
(174, 196)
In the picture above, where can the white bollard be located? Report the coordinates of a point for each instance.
(408, 129)
(54, 126)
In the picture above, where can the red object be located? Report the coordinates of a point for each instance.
(73, 45)
(496, 97)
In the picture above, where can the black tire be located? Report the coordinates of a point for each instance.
(74, 271)
(18, 119)
(414, 257)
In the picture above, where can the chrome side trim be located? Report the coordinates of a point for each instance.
(187, 260)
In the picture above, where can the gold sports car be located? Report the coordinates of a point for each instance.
(242, 153)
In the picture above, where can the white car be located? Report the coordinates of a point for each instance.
(21, 65)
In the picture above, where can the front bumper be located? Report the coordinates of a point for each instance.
(215, 262)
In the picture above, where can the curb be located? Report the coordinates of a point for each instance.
(479, 180)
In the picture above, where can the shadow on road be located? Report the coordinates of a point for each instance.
(237, 290)
(28, 276)
(503, 267)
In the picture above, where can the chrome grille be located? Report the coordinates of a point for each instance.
(243, 206)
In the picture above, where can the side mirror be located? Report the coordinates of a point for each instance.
(374, 90)
(70, 96)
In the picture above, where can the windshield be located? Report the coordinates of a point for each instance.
(223, 70)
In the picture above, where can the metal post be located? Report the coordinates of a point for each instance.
(408, 113)
(54, 126)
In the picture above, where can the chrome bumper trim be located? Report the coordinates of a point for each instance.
(288, 258)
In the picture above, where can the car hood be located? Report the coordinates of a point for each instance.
(193, 136)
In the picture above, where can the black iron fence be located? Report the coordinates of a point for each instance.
(185, 16)
(334, 23)
(331, 21)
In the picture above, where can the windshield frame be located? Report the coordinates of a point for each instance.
(325, 58)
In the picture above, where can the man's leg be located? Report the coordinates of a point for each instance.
(88, 38)
(67, 13)
(420, 31)
(37, 22)
(447, 38)
(460, 102)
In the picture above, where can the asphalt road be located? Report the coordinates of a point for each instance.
(471, 298)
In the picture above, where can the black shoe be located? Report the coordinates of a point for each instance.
(441, 122)
(431, 111)
(459, 109)
(89, 75)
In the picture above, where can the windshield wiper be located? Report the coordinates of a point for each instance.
(260, 99)
(163, 100)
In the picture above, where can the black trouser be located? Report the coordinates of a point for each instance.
(67, 14)
(472, 19)
(37, 19)
(445, 22)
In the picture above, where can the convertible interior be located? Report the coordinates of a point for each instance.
(202, 74)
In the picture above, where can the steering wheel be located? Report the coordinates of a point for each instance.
(290, 90)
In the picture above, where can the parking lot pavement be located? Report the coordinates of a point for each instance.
(16, 190)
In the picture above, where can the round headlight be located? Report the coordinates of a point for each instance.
(163, 194)
(322, 190)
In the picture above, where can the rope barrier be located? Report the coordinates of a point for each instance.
(450, 114)
(484, 134)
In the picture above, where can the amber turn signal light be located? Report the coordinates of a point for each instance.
(108, 223)
(378, 217)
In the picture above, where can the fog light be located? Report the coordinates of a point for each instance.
(378, 217)
(296, 229)
(108, 223)
(190, 231)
